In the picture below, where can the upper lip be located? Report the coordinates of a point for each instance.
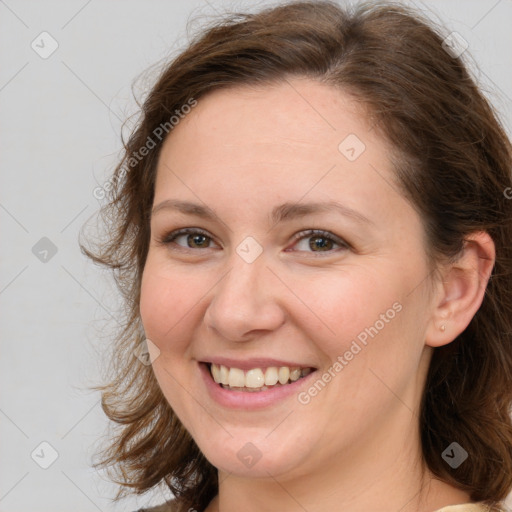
(256, 362)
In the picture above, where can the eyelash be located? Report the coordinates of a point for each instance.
(308, 233)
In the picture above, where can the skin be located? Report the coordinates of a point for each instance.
(355, 446)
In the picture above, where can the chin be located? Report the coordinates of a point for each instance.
(247, 455)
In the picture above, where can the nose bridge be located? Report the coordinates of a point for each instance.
(244, 300)
(241, 288)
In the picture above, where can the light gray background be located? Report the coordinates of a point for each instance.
(60, 137)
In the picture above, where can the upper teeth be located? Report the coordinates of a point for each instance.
(256, 377)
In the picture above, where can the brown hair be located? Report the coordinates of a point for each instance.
(453, 162)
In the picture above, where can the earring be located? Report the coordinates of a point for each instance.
(443, 328)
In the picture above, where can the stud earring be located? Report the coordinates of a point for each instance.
(443, 328)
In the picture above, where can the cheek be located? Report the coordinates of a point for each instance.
(381, 329)
(368, 324)
(165, 299)
(347, 305)
(369, 332)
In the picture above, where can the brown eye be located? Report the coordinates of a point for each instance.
(320, 242)
(199, 241)
(314, 240)
(188, 238)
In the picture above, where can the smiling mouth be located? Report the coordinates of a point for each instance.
(256, 379)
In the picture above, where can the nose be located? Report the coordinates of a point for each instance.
(246, 302)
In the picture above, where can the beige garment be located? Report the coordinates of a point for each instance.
(467, 507)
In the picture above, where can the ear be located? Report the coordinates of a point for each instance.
(462, 290)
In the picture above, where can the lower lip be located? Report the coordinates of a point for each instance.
(250, 400)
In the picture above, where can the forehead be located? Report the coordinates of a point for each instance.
(302, 112)
(242, 145)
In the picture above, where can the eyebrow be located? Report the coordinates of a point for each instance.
(288, 211)
(283, 212)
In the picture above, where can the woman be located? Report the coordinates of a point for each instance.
(311, 228)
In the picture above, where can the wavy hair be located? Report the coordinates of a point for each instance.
(453, 161)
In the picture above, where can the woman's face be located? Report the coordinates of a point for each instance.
(252, 289)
